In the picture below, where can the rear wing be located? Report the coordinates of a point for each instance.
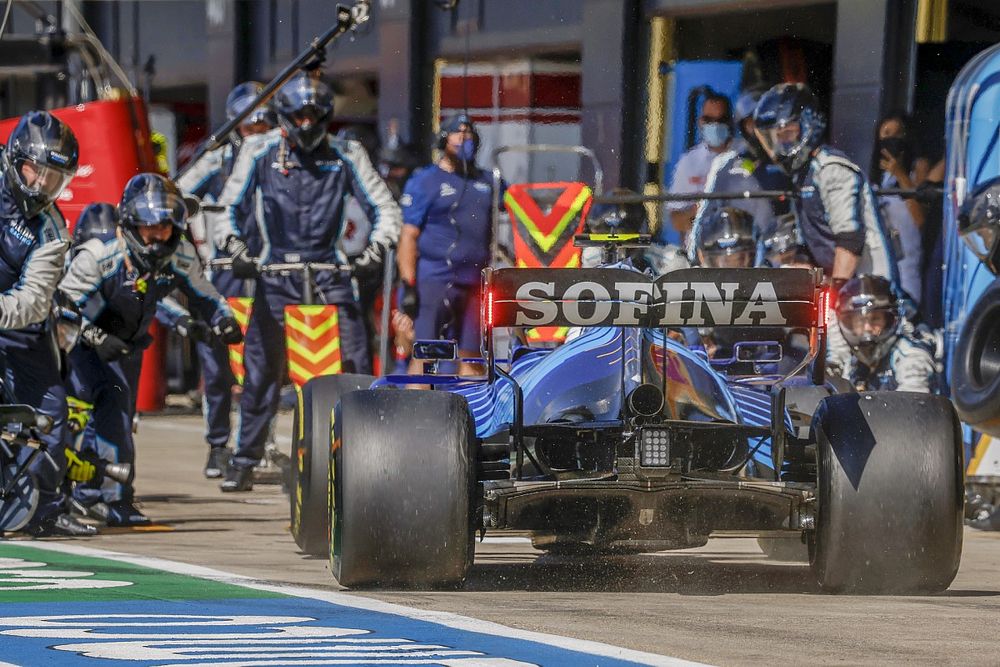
(700, 297)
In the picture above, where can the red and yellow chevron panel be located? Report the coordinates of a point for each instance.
(241, 306)
(312, 339)
(544, 238)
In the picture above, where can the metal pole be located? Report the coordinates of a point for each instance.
(387, 285)
(347, 18)
(746, 194)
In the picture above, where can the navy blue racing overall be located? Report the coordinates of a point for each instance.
(296, 202)
(32, 254)
(110, 295)
(205, 179)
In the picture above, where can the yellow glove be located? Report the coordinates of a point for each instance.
(77, 469)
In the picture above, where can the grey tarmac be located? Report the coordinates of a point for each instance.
(723, 603)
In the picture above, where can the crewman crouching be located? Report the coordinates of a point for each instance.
(115, 285)
(889, 353)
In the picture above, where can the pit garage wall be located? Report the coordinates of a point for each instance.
(873, 59)
(517, 102)
(211, 44)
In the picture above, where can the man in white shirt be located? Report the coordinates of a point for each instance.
(715, 126)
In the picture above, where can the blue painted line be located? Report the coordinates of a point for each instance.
(284, 626)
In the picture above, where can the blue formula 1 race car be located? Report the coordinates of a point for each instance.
(625, 439)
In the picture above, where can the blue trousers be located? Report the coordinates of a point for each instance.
(111, 388)
(264, 360)
(217, 402)
(213, 355)
(31, 371)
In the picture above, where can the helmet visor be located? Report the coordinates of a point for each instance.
(41, 180)
(782, 140)
(155, 208)
(868, 325)
(736, 258)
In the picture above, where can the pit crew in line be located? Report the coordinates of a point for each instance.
(727, 240)
(446, 241)
(38, 163)
(744, 169)
(205, 179)
(889, 352)
(115, 285)
(301, 176)
(835, 209)
(783, 247)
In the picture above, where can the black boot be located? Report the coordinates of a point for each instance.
(218, 458)
(238, 479)
(125, 513)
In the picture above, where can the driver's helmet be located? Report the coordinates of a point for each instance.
(789, 125)
(239, 99)
(304, 106)
(150, 200)
(784, 245)
(39, 161)
(728, 240)
(869, 317)
(979, 223)
(97, 221)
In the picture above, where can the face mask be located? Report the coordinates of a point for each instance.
(715, 134)
(896, 146)
(467, 151)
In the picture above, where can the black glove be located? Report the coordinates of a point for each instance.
(410, 301)
(109, 348)
(244, 266)
(194, 329)
(229, 332)
(142, 342)
(369, 265)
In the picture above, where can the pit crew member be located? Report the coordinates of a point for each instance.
(446, 241)
(205, 179)
(115, 286)
(836, 212)
(302, 176)
(889, 353)
(38, 162)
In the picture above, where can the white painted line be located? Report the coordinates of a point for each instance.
(505, 540)
(444, 618)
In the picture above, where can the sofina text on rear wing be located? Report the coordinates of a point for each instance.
(620, 298)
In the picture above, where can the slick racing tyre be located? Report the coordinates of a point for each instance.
(889, 493)
(975, 368)
(404, 489)
(311, 440)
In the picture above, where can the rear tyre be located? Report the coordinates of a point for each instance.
(311, 440)
(890, 493)
(975, 368)
(404, 489)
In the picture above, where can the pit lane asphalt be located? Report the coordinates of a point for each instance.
(721, 604)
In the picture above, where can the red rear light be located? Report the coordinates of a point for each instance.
(489, 308)
(822, 307)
